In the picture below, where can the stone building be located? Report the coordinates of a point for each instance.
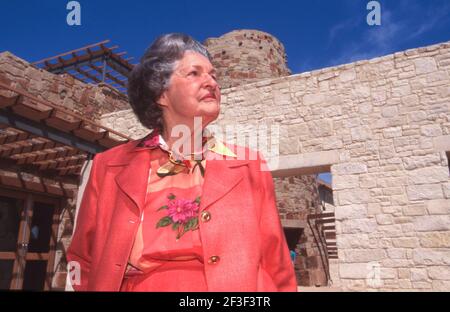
(381, 127)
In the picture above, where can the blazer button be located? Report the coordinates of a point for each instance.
(213, 259)
(205, 216)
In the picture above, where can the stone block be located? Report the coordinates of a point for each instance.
(446, 190)
(399, 200)
(358, 226)
(361, 134)
(360, 91)
(404, 273)
(365, 108)
(397, 263)
(431, 130)
(354, 196)
(414, 162)
(401, 91)
(345, 182)
(384, 219)
(403, 220)
(389, 111)
(393, 191)
(432, 223)
(438, 206)
(417, 116)
(347, 75)
(415, 210)
(435, 239)
(387, 152)
(396, 253)
(320, 128)
(424, 192)
(354, 270)
(373, 209)
(350, 241)
(332, 143)
(394, 210)
(388, 273)
(392, 132)
(439, 273)
(391, 230)
(313, 99)
(438, 285)
(428, 256)
(350, 212)
(425, 65)
(350, 168)
(364, 255)
(419, 275)
(405, 242)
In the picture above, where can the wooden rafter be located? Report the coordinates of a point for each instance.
(95, 56)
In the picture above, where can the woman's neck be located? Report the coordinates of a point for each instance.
(183, 140)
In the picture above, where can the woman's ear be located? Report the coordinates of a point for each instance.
(163, 100)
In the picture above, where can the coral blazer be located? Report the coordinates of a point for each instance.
(243, 237)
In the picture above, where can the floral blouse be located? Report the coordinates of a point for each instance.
(168, 230)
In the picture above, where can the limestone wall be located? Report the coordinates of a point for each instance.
(387, 123)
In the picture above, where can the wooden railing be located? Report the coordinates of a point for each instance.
(323, 230)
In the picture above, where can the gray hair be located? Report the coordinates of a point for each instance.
(150, 78)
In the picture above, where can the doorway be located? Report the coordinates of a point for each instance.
(28, 229)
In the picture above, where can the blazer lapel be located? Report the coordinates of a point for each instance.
(220, 177)
(133, 178)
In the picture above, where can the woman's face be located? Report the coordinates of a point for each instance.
(193, 92)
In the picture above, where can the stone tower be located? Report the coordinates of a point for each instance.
(245, 56)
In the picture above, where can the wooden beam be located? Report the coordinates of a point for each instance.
(321, 215)
(99, 70)
(72, 51)
(323, 221)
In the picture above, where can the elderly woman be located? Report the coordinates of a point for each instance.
(162, 215)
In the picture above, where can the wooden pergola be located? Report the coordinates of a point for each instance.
(43, 147)
(95, 63)
(44, 138)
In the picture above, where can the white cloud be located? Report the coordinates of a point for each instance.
(433, 17)
(394, 30)
(341, 27)
(375, 41)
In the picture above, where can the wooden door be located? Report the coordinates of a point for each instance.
(28, 229)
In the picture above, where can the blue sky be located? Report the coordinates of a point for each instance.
(316, 34)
